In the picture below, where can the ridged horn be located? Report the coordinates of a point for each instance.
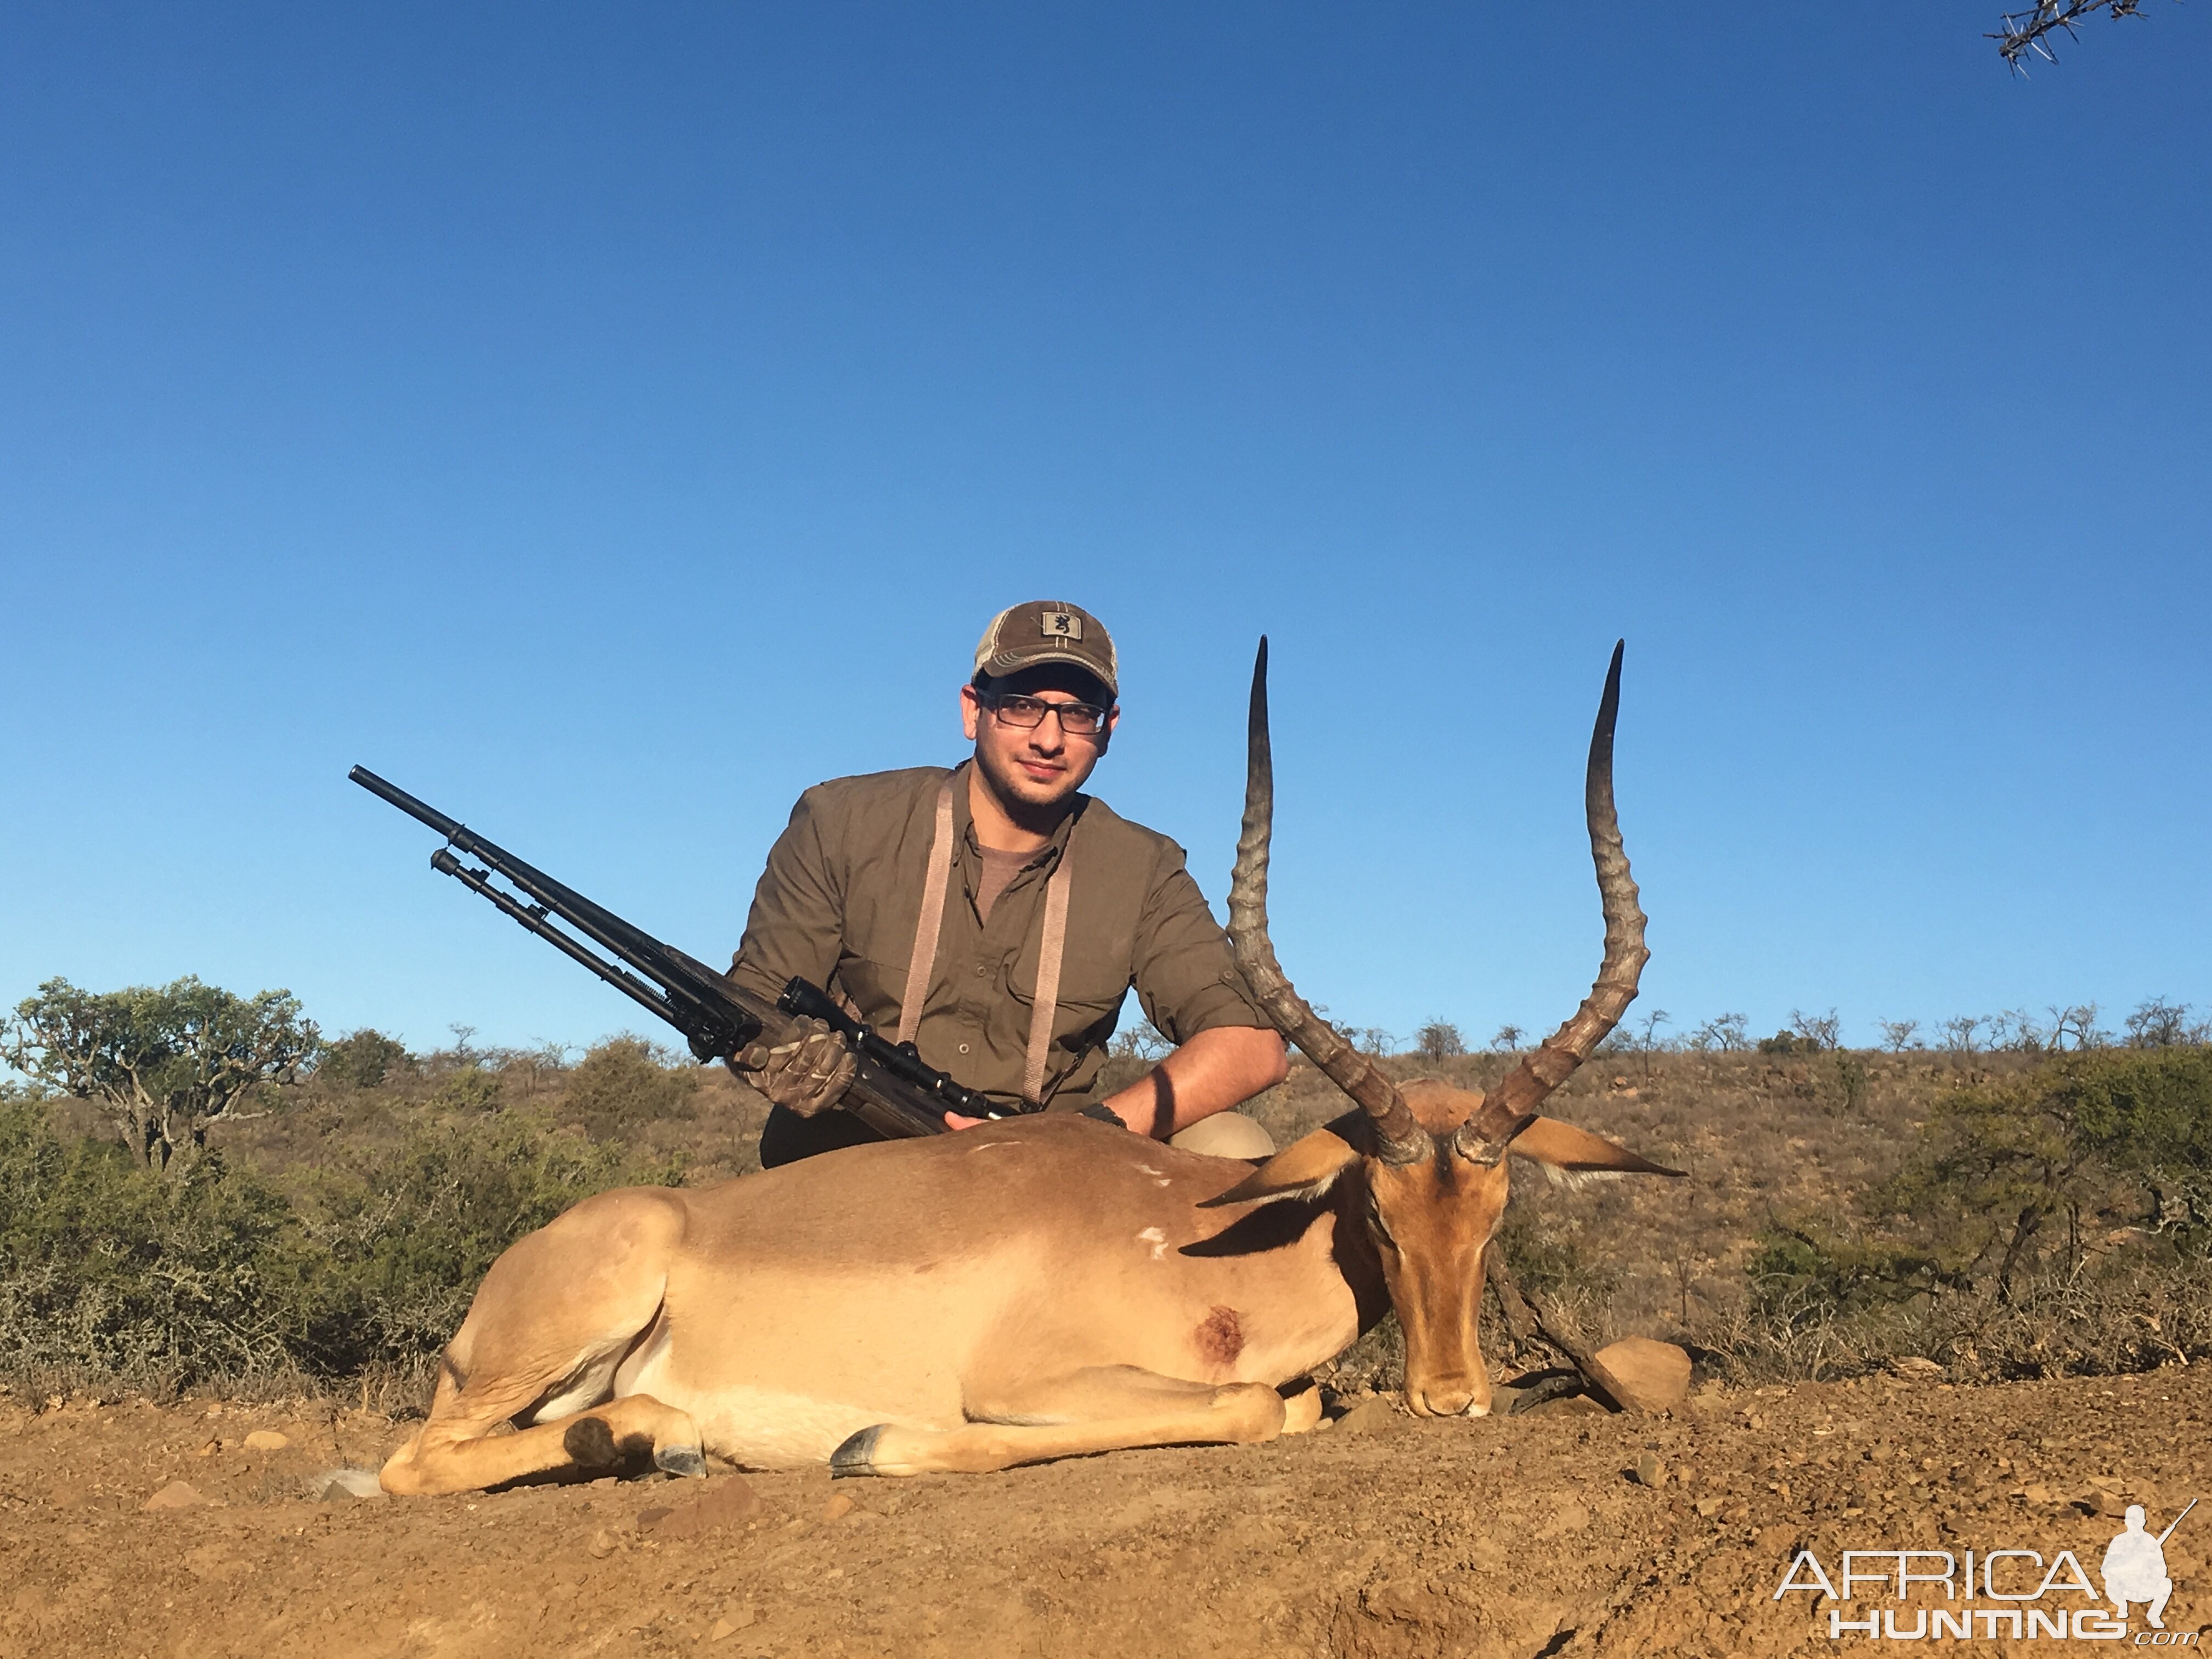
(1506, 1110)
(1402, 1139)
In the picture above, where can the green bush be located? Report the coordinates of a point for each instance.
(2057, 1219)
(468, 1090)
(2025, 1170)
(363, 1060)
(622, 1084)
(1796, 1272)
(2128, 1316)
(403, 1234)
(2008, 1172)
(107, 1268)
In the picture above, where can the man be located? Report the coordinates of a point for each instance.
(1021, 909)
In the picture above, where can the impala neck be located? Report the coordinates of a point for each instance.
(1353, 1249)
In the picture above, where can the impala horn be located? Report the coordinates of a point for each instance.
(1402, 1139)
(1507, 1109)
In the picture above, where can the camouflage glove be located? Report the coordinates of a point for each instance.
(806, 1074)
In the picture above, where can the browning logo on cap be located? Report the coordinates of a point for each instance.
(1048, 631)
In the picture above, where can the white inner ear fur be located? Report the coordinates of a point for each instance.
(1312, 1189)
(1572, 1180)
(1323, 1152)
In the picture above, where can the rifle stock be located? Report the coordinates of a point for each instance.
(893, 1090)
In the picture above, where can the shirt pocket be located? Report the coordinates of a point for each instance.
(1087, 1008)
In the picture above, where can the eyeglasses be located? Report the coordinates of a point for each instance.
(1076, 719)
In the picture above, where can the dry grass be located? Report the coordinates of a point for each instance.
(1764, 1140)
(1772, 1142)
(1768, 1142)
(627, 1090)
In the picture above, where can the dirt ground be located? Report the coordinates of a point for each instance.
(1521, 1536)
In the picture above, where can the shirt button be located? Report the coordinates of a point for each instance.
(963, 1048)
(980, 970)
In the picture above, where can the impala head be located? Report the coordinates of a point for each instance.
(1429, 1160)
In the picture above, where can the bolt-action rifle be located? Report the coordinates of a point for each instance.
(893, 1092)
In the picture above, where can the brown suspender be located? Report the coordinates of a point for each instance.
(922, 962)
(923, 958)
(1048, 979)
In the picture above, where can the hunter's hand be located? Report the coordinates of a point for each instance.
(805, 1075)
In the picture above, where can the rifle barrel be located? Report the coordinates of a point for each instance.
(629, 984)
(602, 926)
(394, 795)
(894, 1093)
(2177, 1521)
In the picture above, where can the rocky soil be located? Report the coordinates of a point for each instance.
(1555, 1533)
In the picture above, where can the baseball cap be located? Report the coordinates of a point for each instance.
(1046, 630)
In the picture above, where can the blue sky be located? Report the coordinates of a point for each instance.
(607, 422)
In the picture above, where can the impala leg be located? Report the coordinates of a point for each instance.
(550, 1325)
(463, 1455)
(1099, 1408)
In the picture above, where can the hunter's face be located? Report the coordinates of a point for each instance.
(1044, 764)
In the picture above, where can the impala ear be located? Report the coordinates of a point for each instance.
(1305, 1168)
(1569, 1154)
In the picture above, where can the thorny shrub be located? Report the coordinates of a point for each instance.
(107, 1269)
(342, 1236)
(2058, 1219)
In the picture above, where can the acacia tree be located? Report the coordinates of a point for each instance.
(2081, 1142)
(1959, 1034)
(2075, 1027)
(1730, 1033)
(162, 1063)
(2021, 34)
(1439, 1040)
(2158, 1023)
(1821, 1032)
(1647, 1042)
(1899, 1034)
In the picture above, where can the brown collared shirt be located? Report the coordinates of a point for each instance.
(841, 894)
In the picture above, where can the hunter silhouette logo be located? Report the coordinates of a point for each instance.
(2135, 1566)
(2021, 1593)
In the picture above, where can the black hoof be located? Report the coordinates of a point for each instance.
(684, 1461)
(858, 1454)
(590, 1443)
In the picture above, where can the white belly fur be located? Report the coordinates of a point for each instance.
(758, 1430)
(766, 1428)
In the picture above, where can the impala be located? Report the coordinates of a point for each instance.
(1026, 1289)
